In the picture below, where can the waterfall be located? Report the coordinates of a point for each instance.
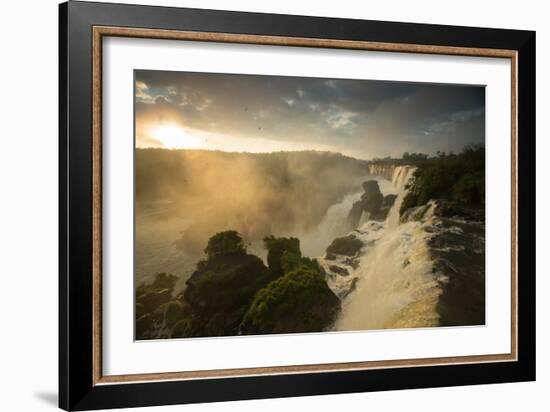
(396, 286)
(333, 225)
(384, 170)
(400, 178)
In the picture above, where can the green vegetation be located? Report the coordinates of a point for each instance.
(229, 277)
(414, 157)
(406, 159)
(276, 248)
(233, 292)
(449, 176)
(299, 301)
(223, 244)
(226, 283)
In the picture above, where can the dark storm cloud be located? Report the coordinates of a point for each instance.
(359, 117)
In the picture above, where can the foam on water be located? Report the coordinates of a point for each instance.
(396, 286)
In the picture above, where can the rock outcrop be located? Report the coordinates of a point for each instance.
(457, 246)
(372, 202)
(373, 198)
(229, 292)
(346, 246)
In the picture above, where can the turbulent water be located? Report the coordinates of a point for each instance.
(394, 282)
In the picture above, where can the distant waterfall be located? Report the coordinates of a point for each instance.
(400, 178)
(396, 286)
(384, 170)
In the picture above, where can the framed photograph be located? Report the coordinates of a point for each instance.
(257, 205)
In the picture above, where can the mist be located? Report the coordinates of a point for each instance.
(186, 196)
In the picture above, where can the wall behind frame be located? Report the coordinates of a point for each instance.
(28, 206)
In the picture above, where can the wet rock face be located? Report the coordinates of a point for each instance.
(450, 209)
(339, 270)
(154, 298)
(355, 213)
(347, 246)
(372, 202)
(389, 200)
(457, 246)
(149, 298)
(373, 198)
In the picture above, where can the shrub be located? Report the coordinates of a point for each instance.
(299, 301)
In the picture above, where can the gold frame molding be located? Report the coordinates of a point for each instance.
(103, 31)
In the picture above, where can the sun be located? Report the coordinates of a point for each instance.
(175, 137)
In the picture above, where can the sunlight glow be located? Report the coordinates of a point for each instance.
(175, 137)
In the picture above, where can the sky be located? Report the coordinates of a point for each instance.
(256, 113)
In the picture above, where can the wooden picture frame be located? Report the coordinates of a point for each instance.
(83, 26)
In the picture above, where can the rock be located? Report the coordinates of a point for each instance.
(339, 270)
(164, 281)
(349, 289)
(372, 199)
(457, 247)
(330, 256)
(451, 209)
(221, 290)
(389, 201)
(151, 302)
(371, 202)
(354, 215)
(381, 214)
(144, 327)
(299, 301)
(140, 310)
(347, 246)
(191, 326)
(224, 323)
(225, 283)
(415, 214)
(149, 296)
(354, 263)
(172, 312)
(152, 299)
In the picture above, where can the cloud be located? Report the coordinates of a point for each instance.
(358, 117)
(141, 92)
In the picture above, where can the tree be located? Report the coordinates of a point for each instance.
(299, 301)
(276, 248)
(449, 176)
(225, 243)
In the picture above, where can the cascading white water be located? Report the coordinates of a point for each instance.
(335, 222)
(400, 178)
(333, 225)
(396, 287)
